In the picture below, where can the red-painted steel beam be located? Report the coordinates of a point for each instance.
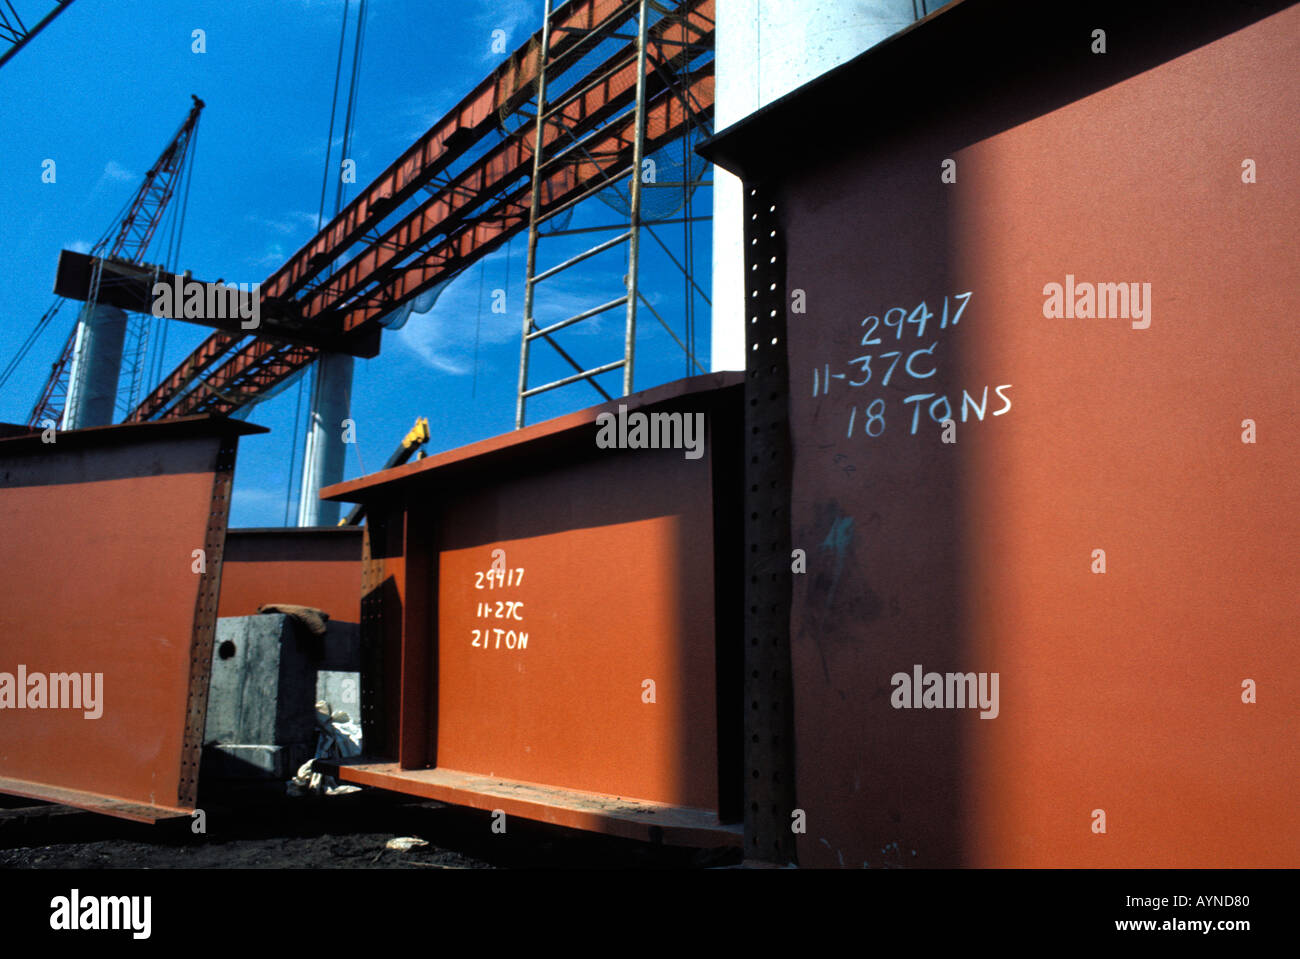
(141, 499)
(318, 567)
(448, 210)
(507, 87)
(577, 752)
(502, 91)
(667, 114)
(194, 365)
(512, 159)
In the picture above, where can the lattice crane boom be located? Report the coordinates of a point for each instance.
(129, 241)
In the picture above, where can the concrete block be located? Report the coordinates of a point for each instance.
(267, 675)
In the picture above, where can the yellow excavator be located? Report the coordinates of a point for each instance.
(411, 443)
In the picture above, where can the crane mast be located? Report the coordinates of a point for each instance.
(129, 242)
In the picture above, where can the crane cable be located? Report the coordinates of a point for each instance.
(32, 337)
(338, 199)
(172, 256)
(334, 105)
(478, 320)
(350, 112)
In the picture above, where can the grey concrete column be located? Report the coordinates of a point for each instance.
(325, 452)
(96, 365)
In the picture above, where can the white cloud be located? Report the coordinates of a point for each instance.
(416, 113)
(294, 227)
(295, 221)
(115, 171)
(427, 349)
(444, 338)
(518, 18)
(274, 256)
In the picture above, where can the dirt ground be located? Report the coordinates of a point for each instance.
(255, 831)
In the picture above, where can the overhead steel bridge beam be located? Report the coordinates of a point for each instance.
(585, 110)
(261, 364)
(377, 279)
(501, 92)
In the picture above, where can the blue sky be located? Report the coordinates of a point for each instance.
(105, 86)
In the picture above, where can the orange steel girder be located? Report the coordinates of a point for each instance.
(505, 88)
(500, 166)
(262, 363)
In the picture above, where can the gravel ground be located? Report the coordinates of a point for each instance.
(340, 832)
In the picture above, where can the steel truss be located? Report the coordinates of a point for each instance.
(378, 253)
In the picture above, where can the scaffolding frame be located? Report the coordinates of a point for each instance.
(569, 147)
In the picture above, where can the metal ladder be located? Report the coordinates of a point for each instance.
(629, 233)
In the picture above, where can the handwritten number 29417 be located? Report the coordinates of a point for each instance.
(918, 318)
